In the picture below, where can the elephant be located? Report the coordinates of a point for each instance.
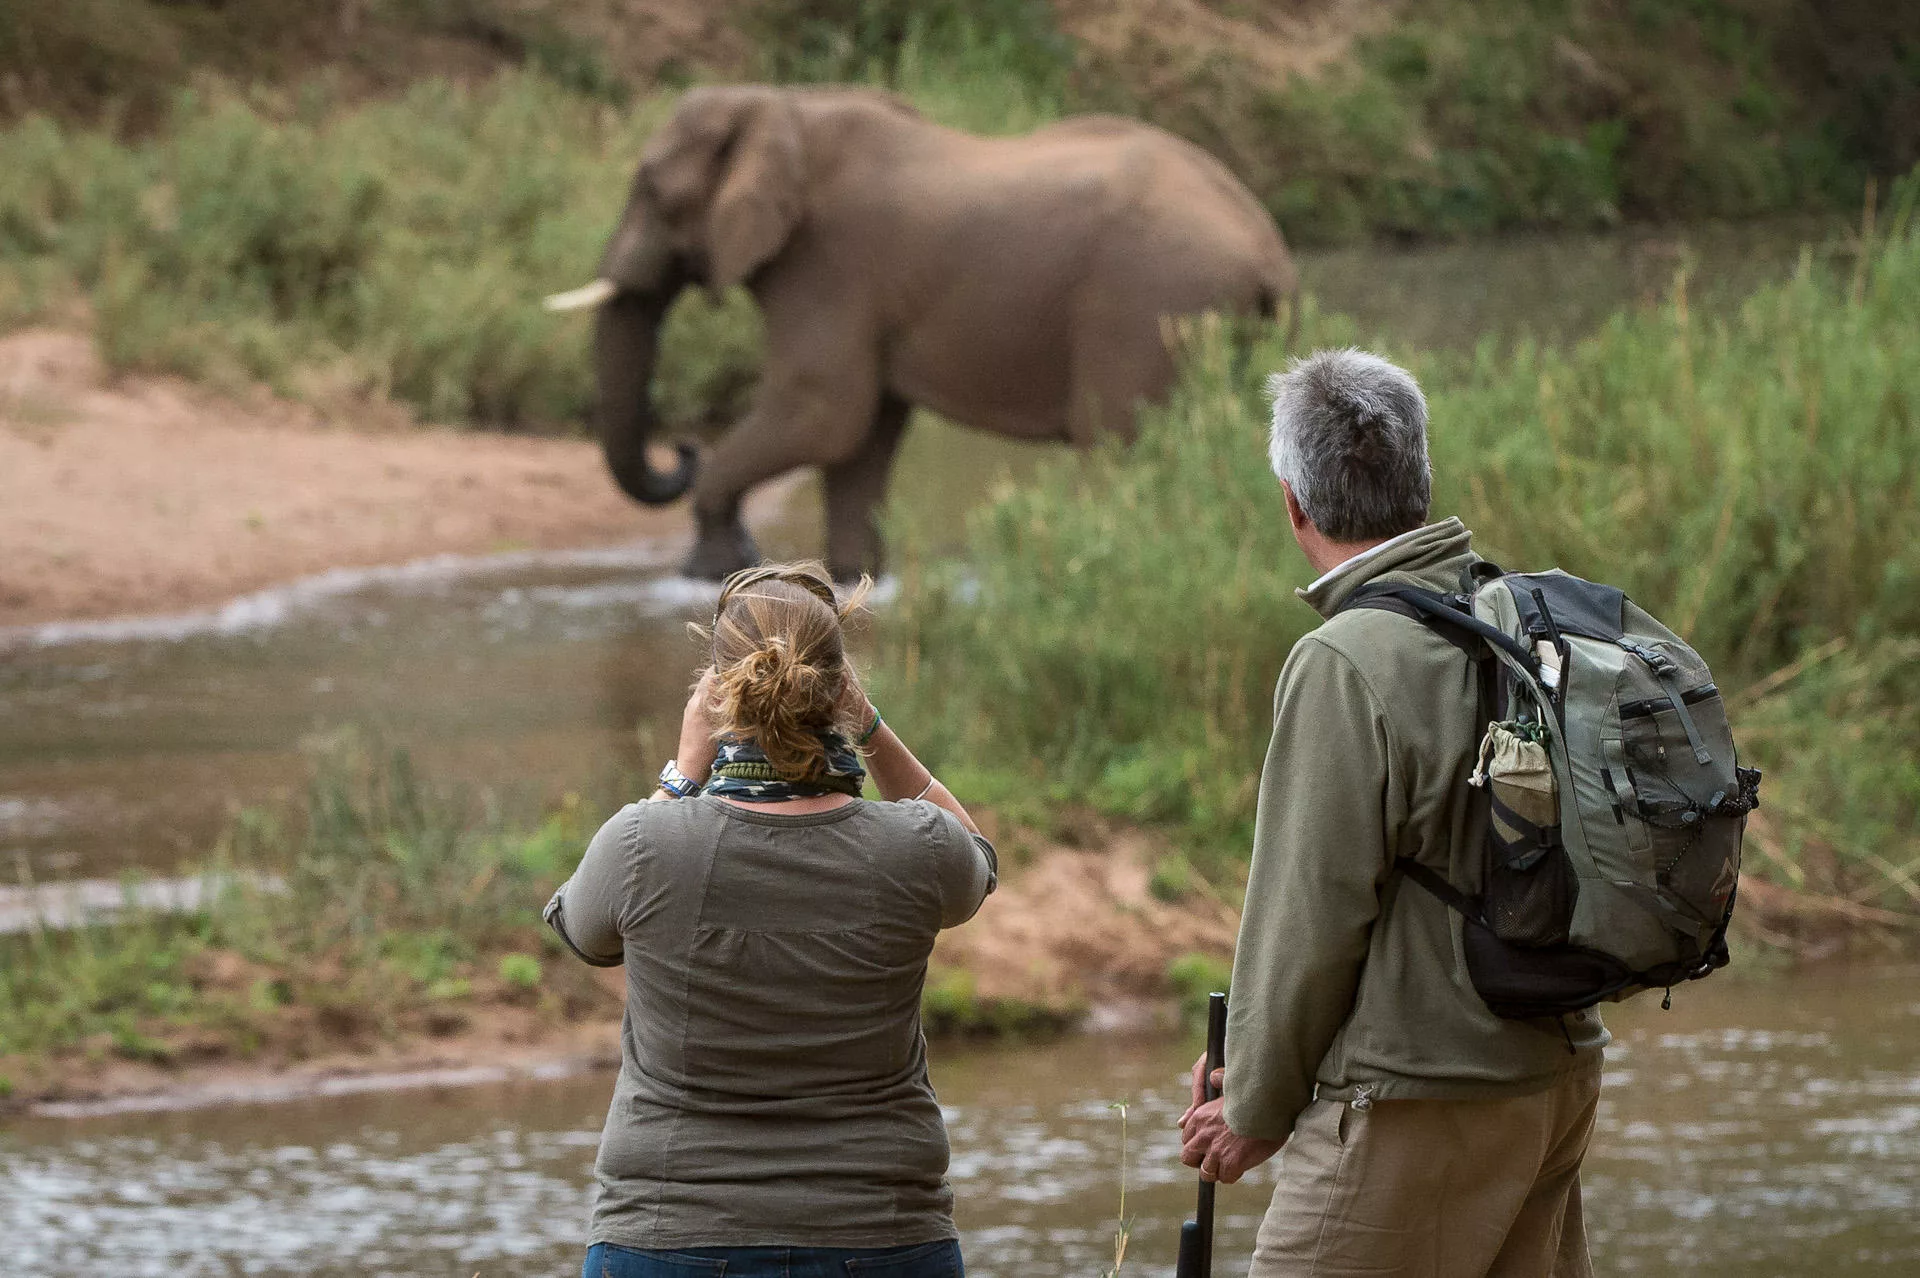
(1018, 285)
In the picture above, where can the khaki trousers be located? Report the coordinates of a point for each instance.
(1433, 1189)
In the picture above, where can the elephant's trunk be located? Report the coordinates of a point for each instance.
(626, 341)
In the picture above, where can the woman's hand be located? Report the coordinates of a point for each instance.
(697, 748)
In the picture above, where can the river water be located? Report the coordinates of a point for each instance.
(1764, 1126)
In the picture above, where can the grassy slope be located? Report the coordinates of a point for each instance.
(1465, 116)
(299, 232)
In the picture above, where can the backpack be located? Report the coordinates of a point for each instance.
(1615, 801)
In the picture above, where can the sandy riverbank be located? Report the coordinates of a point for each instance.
(137, 495)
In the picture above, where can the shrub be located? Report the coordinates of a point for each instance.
(398, 247)
(1193, 977)
(521, 971)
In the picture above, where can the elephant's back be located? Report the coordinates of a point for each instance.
(1170, 187)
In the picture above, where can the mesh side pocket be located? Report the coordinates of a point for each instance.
(1522, 982)
(1531, 906)
(1529, 889)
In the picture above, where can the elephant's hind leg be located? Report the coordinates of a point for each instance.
(855, 489)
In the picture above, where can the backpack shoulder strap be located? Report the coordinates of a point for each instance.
(1451, 617)
(1388, 598)
(1436, 883)
(1447, 614)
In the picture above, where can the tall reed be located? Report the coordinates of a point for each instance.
(1115, 631)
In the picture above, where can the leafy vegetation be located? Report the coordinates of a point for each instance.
(393, 905)
(340, 235)
(396, 248)
(1194, 977)
(1114, 628)
(951, 1004)
(1468, 117)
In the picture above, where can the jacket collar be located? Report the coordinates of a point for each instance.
(1411, 553)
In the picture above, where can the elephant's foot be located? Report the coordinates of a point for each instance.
(849, 573)
(720, 552)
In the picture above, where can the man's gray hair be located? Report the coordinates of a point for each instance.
(1350, 440)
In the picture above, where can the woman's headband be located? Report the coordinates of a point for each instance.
(819, 588)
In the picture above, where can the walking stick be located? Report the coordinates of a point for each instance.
(1196, 1235)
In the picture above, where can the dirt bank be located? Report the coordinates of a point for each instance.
(141, 494)
(1072, 932)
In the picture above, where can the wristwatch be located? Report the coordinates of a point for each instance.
(678, 783)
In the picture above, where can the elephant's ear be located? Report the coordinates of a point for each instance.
(758, 200)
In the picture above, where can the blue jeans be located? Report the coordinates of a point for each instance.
(923, 1260)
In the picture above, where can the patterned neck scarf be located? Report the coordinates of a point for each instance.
(741, 771)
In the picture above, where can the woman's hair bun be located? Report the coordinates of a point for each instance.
(779, 661)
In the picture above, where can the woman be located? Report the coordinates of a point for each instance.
(773, 1114)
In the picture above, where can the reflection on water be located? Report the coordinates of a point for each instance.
(1760, 1128)
(118, 752)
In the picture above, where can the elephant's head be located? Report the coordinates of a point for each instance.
(716, 196)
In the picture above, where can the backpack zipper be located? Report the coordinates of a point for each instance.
(1652, 705)
(1665, 671)
(1362, 1097)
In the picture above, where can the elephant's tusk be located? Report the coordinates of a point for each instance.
(579, 298)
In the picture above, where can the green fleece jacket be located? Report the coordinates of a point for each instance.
(1350, 982)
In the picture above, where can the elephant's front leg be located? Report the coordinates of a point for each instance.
(810, 418)
(856, 488)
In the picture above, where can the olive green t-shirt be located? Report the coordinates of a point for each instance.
(773, 1078)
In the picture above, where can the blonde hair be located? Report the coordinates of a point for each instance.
(780, 662)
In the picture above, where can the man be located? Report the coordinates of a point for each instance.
(1418, 1134)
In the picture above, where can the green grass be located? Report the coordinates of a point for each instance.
(1114, 628)
(403, 901)
(333, 246)
(397, 248)
(951, 1005)
(388, 248)
(1195, 976)
(404, 906)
